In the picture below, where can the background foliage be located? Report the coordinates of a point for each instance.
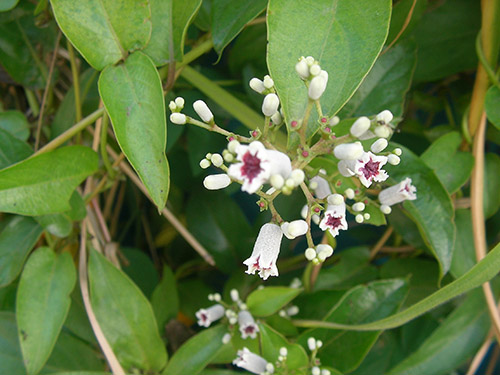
(94, 280)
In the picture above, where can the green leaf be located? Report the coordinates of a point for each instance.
(16, 124)
(11, 361)
(267, 301)
(344, 36)
(104, 30)
(492, 105)
(445, 38)
(272, 341)
(171, 20)
(482, 272)
(44, 183)
(229, 17)
(220, 225)
(141, 270)
(456, 339)
(42, 304)
(352, 269)
(194, 355)
(432, 211)
(12, 150)
(57, 224)
(235, 107)
(464, 257)
(400, 12)
(165, 299)
(346, 349)
(6, 5)
(491, 202)
(16, 240)
(24, 45)
(453, 167)
(138, 117)
(125, 316)
(386, 85)
(82, 373)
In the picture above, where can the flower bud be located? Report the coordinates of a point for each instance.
(179, 102)
(270, 104)
(315, 219)
(233, 146)
(203, 111)
(385, 209)
(226, 338)
(216, 181)
(216, 160)
(276, 118)
(325, 372)
(398, 151)
(334, 120)
(359, 206)
(317, 87)
(204, 164)
(349, 193)
(315, 371)
(302, 69)
(268, 82)
(304, 211)
(277, 181)
(335, 199)
(178, 118)
(315, 69)
(172, 106)
(311, 343)
(235, 296)
(359, 218)
(283, 352)
(383, 131)
(310, 254)
(324, 251)
(393, 159)
(367, 216)
(384, 117)
(348, 151)
(360, 126)
(297, 176)
(297, 228)
(379, 145)
(257, 85)
(310, 60)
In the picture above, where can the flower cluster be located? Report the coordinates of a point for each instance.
(357, 185)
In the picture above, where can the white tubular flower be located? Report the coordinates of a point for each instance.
(294, 229)
(344, 170)
(178, 118)
(323, 187)
(201, 108)
(358, 207)
(318, 86)
(383, 131)
(369, 168)
(270, 104)
(384, 117)
(256, 165)
(208, 316)
(334, 219)
(268, 82)
(250, 361)
(398, 193)
(248, 327)
(302, 68)
(324, 251)
(265, 252)
(216, 181)
(348, 151)
(276, 118)
(179, 102)
(379, 145)
(257, 85)
(360, 126)
(393, 159)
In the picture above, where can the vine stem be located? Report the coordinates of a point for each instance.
(46, 91)
(403, 28)
(76, 81)
(381, 242)
(478, 225)
(481, 353)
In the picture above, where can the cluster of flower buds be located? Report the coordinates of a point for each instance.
(309, 70)
(256, 161)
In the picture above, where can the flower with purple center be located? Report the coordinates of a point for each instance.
(250, 361)
(398, 193)
(368, 168)
(257, 165)
(334, 219)
(248, 327)
(208, 316)
(265, 251)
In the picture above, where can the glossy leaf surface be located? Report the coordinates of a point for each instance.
(267, 301)
(138, 117)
